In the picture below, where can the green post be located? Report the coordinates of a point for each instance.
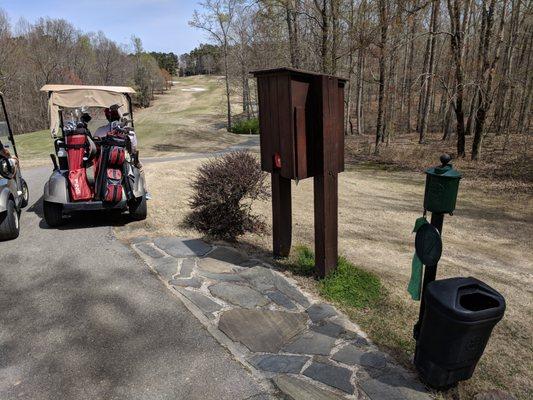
(442, 186)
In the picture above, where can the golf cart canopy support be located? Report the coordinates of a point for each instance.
(9, 131)
(73, 96)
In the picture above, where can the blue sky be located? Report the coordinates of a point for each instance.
(161, 24)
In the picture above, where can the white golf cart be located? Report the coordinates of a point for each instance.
(14, 194)
(90, 172)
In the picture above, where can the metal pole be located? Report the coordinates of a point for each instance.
(430, 273)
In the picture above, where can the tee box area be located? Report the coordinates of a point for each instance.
(301, 118)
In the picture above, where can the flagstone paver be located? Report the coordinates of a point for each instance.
(393, 387)
(238, 294)
(150, 251)
(203, 302)
(228, 255)
(353, 356)
(359, 341)
(318, 312)
(166, 267)
(262, 330)
(229, 277)
(187, 282)
(290, 290)
(311, 343)
(187, 266)
(303, 345)
(182, 247)
(280, 299)
(328, 328)
(215, 266)
(331, 375)
(286, 363)
(298, 389)
(259, 277)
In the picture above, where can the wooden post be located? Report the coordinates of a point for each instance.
(330, 148)
(301, 118)
(281, 215)
(326, 222)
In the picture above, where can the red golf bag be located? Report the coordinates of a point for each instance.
(78, 147)
(111, 164)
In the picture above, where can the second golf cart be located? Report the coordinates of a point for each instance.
(95, 167)
(14, 193)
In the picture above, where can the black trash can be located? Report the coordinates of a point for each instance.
(458, 319)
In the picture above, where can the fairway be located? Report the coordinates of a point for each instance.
(187, 118)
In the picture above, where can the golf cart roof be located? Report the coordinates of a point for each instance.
(62, 88)
(76, 96)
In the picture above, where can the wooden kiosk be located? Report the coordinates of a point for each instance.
(301, 117)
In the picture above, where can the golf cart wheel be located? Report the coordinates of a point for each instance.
(53, 213)
(25, 194)
(138, 208)
(9, 222)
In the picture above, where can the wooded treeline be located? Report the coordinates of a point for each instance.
(203, 60)
(54, 51)
(448, 67)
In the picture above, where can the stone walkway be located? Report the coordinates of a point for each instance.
(306, 348)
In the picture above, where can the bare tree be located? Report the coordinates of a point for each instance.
(428, 80)
(459, 16)
(488, 68)
(217, 21)
(384, 26)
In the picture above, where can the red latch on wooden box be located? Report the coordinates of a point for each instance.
(277, 161)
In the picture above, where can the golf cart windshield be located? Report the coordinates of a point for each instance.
(4, 130)
(71, 116)
(5, 133)
(71, 97)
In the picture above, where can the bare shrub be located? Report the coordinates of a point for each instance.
(224, 190)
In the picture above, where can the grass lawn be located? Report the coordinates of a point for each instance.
(34, 148)
(185, 119)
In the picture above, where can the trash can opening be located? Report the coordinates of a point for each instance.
(477, 302)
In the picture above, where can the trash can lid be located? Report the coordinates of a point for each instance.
(465, 299)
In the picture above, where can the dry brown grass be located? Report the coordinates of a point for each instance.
(488, 237)
(506, 163)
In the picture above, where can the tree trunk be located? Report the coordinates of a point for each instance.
(324, 34)
(382, 71)
(360, 92)
(458, 27)
(410, 74)
(489, 66)
(228, 94)
(334, 12)
(292, 28)
(348, 125)
(429, 81)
